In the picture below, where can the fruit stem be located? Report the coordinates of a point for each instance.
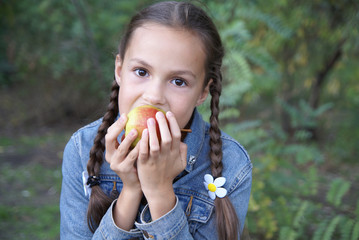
(186, 130)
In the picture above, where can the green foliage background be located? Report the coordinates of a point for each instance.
(290, 96)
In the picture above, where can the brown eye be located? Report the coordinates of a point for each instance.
(179, 82)
(141, 72)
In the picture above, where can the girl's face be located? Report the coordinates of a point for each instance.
(163, 67)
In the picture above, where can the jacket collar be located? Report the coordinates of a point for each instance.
(195, 140)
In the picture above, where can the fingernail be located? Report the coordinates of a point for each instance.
(169, 114)
(160, 115)
(133, 132)
(151, 122)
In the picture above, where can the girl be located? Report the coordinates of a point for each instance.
(193, 186)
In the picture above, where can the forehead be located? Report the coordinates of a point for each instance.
(169, 45)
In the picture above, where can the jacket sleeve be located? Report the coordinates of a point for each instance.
(172, 225)
(239, 193)
(239, 186)
(74, 203)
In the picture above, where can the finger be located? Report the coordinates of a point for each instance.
(131, 158)
(175, 130)
(124, 164)
(183, 153)
(143, 152)
(166, 138)
(113, 131)
(125, 145)
(152, 132)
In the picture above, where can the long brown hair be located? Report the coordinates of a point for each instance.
(191, 18)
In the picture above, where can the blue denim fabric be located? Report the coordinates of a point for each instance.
(185, 220)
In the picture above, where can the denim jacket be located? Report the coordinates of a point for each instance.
(193, 216)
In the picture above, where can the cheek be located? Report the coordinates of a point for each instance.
(123, 100)
(183, 115)
(183, 108)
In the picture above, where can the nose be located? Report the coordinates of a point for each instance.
(155, 93)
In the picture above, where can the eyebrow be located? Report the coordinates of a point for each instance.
(137, 60)
(176, 72)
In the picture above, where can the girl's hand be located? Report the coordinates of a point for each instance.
(160, 162)
(121, 159)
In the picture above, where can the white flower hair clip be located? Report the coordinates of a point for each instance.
(214, 187)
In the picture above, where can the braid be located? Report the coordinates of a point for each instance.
(97, 150)
(99, 201)
(214, 132)
(226, 217)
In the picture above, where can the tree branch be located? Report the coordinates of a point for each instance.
(323, 73)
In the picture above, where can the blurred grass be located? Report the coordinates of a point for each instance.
(30, 185)
(28, 222)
